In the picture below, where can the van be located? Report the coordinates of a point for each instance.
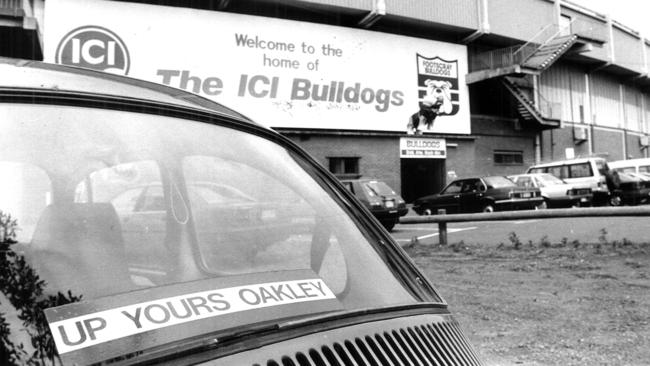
(141, 224)
(584, 172)
(639, 166)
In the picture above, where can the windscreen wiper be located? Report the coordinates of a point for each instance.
(241, 339)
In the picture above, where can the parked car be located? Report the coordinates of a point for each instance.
(555, 191)
(142, 213)
(638, 166)
(318, 280)
(632, 190)
(588, 172)
(641, 176)
(486, 194)
(386, 205)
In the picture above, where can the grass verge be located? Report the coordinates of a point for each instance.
(547, 303)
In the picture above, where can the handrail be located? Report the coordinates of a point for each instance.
(502, 57)
(549, 109)
(443, 219)
(517, 54)
(530, 41)
(558, 29)
(544, 109)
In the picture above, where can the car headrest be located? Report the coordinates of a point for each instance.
(61, 227)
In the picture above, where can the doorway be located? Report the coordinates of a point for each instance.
(422, 177)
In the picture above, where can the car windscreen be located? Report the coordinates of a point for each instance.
(378, 188)
(626, 178)
(498, 182)
(131, 231)
(549, 180)
(522, 180)
(537, 170)
(602, 167)
(629, 169)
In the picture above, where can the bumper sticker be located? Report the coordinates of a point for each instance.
(75, 328)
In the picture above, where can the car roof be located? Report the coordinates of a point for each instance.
(530, 175)
(569, 161)
(481, 177)
(628, 162)
(17, 74)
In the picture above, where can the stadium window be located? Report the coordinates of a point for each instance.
(344, 167)
(507, 157)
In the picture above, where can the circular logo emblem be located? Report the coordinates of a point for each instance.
(94, 48)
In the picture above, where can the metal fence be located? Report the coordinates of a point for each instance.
(442, 219)
(495, 59)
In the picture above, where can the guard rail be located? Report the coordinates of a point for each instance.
(442, 219)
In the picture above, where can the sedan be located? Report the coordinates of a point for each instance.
(631, 190)
(146, 225)
(555, 191)
(143, 214)
(486, 194)
(384, 203)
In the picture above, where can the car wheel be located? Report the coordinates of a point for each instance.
(427, 212)
(488, 208)
(614, 201)
(542, 206)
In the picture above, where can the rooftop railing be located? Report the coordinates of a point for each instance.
(518, 54)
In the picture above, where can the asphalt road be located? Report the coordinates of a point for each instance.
(585, 230)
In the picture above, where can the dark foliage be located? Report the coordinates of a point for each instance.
(24, 289)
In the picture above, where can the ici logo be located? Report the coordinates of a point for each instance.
(94, 48)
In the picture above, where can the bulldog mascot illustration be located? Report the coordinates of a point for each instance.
(436, 101)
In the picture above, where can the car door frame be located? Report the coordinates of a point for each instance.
(471, 200)
(450, 202)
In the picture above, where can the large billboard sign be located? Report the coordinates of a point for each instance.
(280, 73)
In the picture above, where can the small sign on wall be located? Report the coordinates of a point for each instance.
(423, 148)
(569, 153)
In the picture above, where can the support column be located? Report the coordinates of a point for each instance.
(588, 116)
(557, 12)
(623, 117)
(538, 136)
(611, 52)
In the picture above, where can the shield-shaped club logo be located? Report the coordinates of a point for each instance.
(438, 84)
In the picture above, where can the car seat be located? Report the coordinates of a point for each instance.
(79, 247)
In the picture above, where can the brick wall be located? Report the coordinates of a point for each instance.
(471, 156)
(561, 139)
(379, 156)
(609, 143)
(485, 147)
(461, 158)
(634, 150)
(505, 135)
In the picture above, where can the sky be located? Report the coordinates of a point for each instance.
(632, 13)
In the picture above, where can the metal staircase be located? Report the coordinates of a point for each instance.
(507, 65)
(526, 106)
(550, 52)
(533, 57)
